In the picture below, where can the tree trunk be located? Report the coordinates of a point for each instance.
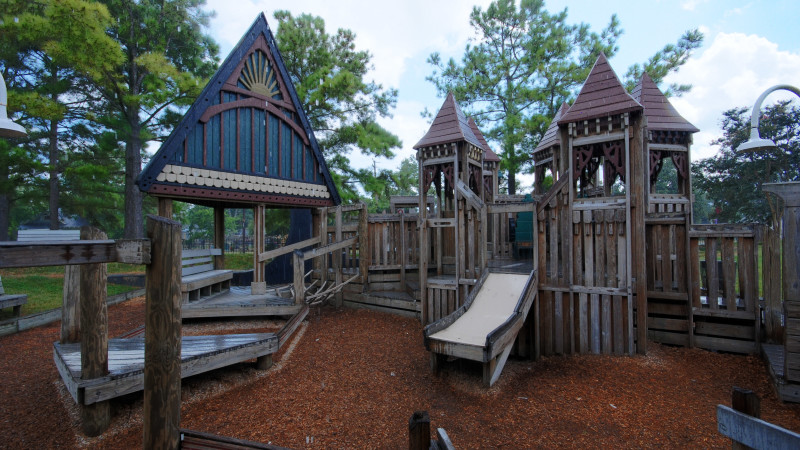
(512, 182)
(133, 166)
(53, 137)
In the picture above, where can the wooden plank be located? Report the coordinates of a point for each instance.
(268, 255)
(328, 248)
(33, 254)
(712, 277)
(754, 432)
(70, 308)
(729, 273)
(725, 330)
(201, 252)
(725, 345)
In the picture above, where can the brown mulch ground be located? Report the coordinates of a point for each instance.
(352, 378)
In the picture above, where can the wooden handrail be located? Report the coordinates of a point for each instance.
(263, 257)
(60, 253)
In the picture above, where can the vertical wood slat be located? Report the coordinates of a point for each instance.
(337, 255)
(162, 366)
(694, 259)
(668, 242)
(712, 278)
(729, 273)
(95, 418)
(363, 244)
(614, 305)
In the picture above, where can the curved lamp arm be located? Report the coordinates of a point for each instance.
(7, 126)
(755, 142)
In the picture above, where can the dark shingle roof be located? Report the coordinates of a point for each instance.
(488, 153)
(660, 113)
(552, 136)
(602, 94)
(450, 125)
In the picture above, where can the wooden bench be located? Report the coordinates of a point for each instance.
(12, 300)
(199, 279)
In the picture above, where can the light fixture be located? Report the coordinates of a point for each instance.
(756, 142)
(8, 128)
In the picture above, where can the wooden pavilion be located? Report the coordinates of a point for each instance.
(245, 143)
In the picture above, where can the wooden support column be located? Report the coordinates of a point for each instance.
(323, 229)
(403, 251)
(162, 338)
(165, 207)
(298, 267)
(258, 243)
(70, 309)
(424, 251)
(363, 243)
(635, 142)
(337, 256)
(96, 417)
(219, 236)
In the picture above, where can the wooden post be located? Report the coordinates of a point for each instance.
(70, 309)
(747, 402)
(258, 243)
(162, 339)
(337, 256)
(636, 130)
(219, 236)
(96, 417)
(403, 251)
(165, 207)
(419, 431)
(299, 285)
(363, 243)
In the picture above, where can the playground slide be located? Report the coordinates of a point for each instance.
(485, 327)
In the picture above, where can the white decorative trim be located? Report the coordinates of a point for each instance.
(236, 181)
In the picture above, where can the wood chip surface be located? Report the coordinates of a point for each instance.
(352, 378)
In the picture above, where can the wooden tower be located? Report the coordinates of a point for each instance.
(451, 159)
(667, 142)
(245, 143)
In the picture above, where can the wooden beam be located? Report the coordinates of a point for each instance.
(265, 256)
(753, 432)
(162, 338)
(52, 253)
(419, 431)
(219, 236)
(328, 248)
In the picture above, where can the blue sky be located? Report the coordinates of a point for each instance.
(749, 46)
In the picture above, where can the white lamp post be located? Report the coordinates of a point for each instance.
(8, 128)
(755, 142)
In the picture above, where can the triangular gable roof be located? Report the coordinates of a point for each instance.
(488, 154)
(450, 125)
(660, 113)
(250, 110)
(602, 94)
(552, 136)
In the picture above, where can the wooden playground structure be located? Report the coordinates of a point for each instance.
(600, 261)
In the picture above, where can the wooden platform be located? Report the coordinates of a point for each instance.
(199, 354)
(239, 302)
(774, 356)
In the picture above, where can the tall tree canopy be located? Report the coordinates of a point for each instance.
(732, 180)
(522, 64)
(342, 106)
(51, 53)
(168, 57)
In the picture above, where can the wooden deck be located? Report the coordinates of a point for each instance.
(240, 302)
(199, 354)
(774, 356)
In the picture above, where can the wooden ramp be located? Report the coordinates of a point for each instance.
(240, 302)
(198, 354)
(485, 327)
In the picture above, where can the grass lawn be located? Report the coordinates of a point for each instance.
(44, 285)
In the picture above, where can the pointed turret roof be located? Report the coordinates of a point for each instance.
(602, 94)
(246, 139)
(660, 113)
(488, 154)
(450, 125)
(552, 136)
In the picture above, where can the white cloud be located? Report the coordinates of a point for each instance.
(732, 72)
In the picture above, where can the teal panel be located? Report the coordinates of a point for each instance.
(259, 141)
(229, 134)
(286, 151)
(212, 142)
(274, 145)
(194, 145)
(309, 164)
(245, 141)
(298, 157)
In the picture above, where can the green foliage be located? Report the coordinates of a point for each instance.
(342, 107)
(733, 181)
(666, 60)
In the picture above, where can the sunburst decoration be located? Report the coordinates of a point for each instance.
(258, 75)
